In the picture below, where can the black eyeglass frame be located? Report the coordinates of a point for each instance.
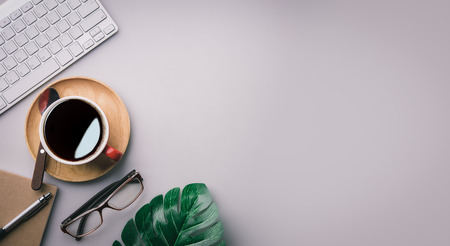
(98, 202)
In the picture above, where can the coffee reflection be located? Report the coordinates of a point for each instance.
(89, 140)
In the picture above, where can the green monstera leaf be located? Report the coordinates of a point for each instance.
(189, 219)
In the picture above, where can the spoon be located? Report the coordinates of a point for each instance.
(47, 97)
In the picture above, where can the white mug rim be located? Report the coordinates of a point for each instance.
(105, 128)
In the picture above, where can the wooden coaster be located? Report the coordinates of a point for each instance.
(119, 128)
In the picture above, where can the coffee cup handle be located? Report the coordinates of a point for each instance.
(112, 153)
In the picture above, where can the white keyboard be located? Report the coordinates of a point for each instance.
(40, 38)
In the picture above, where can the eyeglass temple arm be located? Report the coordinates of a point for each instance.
(100, 194)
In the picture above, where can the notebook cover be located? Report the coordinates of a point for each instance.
(16, 196)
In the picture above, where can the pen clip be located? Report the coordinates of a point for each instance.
(37, 209)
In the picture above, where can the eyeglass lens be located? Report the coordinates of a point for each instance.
(89, 223)
(126, 195)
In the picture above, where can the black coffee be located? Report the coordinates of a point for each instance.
(73, 130)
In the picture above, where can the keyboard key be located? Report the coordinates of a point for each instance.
(42, 24)
(4, 22)
(20, 56)
(75, 32)
(64, 57)
(2, 70)
(92, 20)
(73, 18)
(18, 25)
(63, 10)
(76, 49)
(99, 37)
(74, 3)
(3, 84)
(54, 47)
(36, 1)
(44, 55)
(10, 47)
(15, 14)
(22, 70)
(96, 30)
(29, 18)
(26, 7)
(3, 54)
(50, 4)
(8, 33)
(87, 8)
(65, 40)
(33, 62)
(31, 32)
(88, 44)
(10, 63)
(12, 77)
(40, 11)
(41, 40)
(53, 17)
(35, 77)
(109, 29)
(63, 26)
(31, 48)
(21, 39)
(52, 33)
(2, 41)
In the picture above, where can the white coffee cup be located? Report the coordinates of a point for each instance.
(74, 130)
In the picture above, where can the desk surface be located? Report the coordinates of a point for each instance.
(311, 122)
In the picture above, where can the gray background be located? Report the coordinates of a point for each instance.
(311, 122)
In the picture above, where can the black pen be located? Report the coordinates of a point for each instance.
(26, 214)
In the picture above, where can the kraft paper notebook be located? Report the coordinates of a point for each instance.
(17, 195)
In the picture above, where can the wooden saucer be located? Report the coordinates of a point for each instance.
(119, 128)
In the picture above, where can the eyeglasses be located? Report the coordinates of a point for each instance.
(116, 196)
